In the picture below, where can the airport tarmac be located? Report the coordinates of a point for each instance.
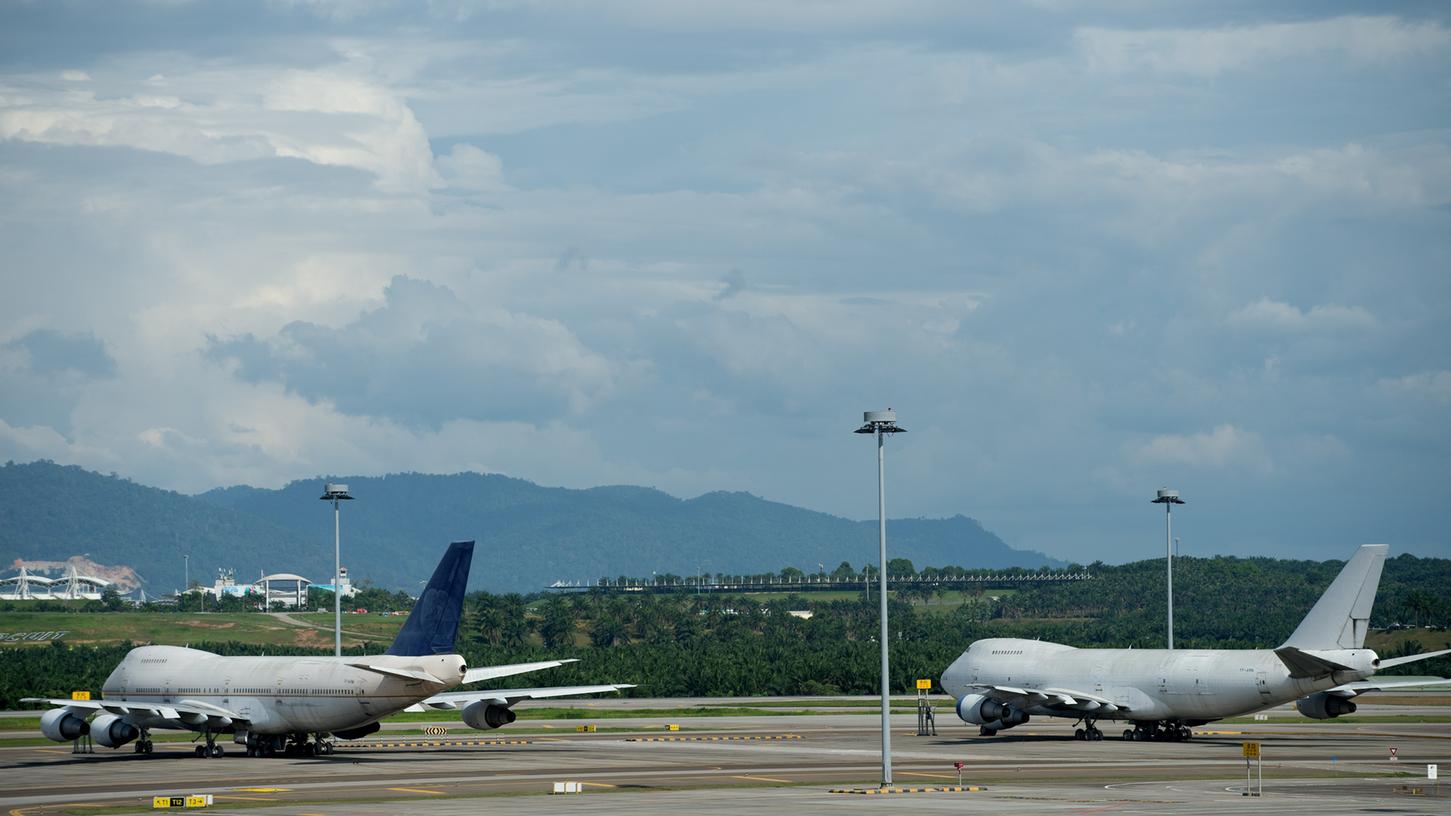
(790, 763)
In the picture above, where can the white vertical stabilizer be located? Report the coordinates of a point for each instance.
(1340, 619)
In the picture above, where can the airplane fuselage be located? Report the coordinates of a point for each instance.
(1185, 685)
(274, 695)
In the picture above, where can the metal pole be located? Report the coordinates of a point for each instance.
(337, 580)
(1169, 561)
(882, 535)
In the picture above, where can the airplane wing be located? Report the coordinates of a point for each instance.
(453, 700)
(492, 672)
(1067, 701)
(192, 711)
(1363, 686)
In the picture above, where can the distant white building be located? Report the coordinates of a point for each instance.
(72, 587)
(285, 588)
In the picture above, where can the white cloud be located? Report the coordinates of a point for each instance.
(75, 76)
(1273, 315)
(1211, 52)
(336, 117)
(1226, 446)
(471, 168)
(1434, 386)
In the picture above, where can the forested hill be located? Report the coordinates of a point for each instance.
(529, 536)
(50, 512)
(394, 533)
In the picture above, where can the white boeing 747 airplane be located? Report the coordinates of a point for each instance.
(274, 704)
(1163, 693)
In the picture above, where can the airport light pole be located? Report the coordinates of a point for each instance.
(1169, 498)
(882, 423)
(336, 493)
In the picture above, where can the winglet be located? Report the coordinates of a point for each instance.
(433, 624)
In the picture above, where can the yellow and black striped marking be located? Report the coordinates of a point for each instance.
(437, 743)
(933, 789)
(722, 738)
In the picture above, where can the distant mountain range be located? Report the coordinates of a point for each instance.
(393, 533)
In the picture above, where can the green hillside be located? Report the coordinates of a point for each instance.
(528, 535)
(51, 512)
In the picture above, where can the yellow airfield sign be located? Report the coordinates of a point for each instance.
(924, 685)
(80, 695)
(1251, 750)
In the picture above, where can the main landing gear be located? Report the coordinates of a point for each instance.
(1161, 730)
(1088, 732)
(294, 745)
(143, 745)
(211, 749)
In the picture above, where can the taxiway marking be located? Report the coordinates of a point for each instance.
(762, 778)
(416, 790)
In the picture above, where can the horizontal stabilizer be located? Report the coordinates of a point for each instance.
(452, 700)
(1303, 664)
(402, 674)
(491, 672)
(1401, 661)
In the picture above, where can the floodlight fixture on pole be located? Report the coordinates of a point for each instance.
(336, 493)
(882, 423)
(1169, 498)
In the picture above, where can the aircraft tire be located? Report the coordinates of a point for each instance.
(217, 750)
(200, 750)
(1128, 734)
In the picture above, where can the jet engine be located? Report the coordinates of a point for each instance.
(112, 731)
(1323, 706)
(62, 725)
(979, 710)
(483, 715)
(357, 733)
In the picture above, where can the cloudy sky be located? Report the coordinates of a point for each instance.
(1083, 250)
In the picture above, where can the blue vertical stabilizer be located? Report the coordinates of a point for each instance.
(433, 624)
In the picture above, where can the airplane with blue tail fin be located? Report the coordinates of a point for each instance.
(297, 705)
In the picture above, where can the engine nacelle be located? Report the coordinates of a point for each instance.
(483, 715)
(979, 710)
(112, 731)
(1323, 706)
(62, 725)
(357, 733)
